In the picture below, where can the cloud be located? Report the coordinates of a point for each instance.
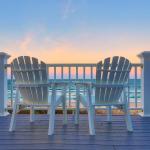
(79, 47)
(26, 42)
(68, 9)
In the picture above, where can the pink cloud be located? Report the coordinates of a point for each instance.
(25, 43)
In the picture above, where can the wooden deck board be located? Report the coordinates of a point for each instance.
(108, 136)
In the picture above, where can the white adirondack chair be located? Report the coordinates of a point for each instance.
(32, 85)
(109, 89)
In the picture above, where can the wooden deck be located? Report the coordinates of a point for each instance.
(108, 136)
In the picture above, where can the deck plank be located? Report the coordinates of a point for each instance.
(108, 136)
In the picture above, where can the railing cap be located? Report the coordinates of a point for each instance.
(2, 54)
(144, 54)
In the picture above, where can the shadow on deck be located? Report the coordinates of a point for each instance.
(108, 136)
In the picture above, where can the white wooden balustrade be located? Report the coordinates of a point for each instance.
(84, 72)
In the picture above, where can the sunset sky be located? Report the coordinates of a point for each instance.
(74, 31)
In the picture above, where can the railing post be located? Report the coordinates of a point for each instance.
(145, 59)
(3, 84)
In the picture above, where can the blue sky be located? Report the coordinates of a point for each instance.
(88, 30)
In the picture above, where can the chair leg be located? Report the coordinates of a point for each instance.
(48, 111)
(52, 108)
(51, 120)
(128, 119)
(77, 111)
(91, 120)
(31, 114)
(109, 116)
(94, 114)
(13, 119)
(64, 112)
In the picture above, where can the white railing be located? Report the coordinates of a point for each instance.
(136, 77)
(136, 101)
(87, 72)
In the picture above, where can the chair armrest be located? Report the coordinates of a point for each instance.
(111, 85)
(58, 84)
(91, 84)
(83, 84)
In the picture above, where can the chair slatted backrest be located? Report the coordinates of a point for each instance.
(31, 79)
(113, 71)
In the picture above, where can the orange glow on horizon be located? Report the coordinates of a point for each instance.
(66, 56)
(65, 51)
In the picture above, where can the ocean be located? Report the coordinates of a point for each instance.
(131, 90)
